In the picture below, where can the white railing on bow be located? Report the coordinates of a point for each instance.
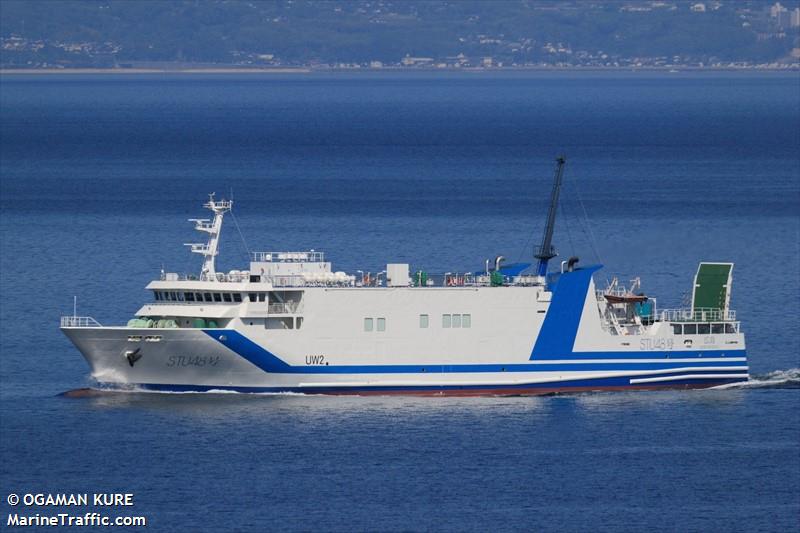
(79, 322)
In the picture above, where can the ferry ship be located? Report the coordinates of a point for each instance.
(291, 323)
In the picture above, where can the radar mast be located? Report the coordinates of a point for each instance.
(213, 228)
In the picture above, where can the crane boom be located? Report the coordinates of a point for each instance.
(546, 251)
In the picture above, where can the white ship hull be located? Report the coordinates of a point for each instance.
(520, 340)
(291, 324)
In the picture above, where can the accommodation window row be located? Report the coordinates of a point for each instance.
(375, 324)
(703, 329)
(449, 320)
(230, 297)
(456, 321)
(212, 297)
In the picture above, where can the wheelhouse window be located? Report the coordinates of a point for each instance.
(157, 295)
(252, 296)
(677, 329)
(217, 297)
(730, 328)
(189, 296)
(703, 329)
(207, 297)
(237, 297)
(717, 328)
(690, 329)
(198, 296)
(262, 296)
(227, 297)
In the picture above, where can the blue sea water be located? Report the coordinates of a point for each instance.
(99, 173)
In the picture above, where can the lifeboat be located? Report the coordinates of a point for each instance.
(628, 298)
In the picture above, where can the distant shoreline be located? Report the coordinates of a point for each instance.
(154, 71)
(308, 70)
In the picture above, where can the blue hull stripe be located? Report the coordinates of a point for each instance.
(564, 386)
(269, 362)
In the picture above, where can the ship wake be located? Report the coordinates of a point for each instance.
(777, 379)
(111, 391)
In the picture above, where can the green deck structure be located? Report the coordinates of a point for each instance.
(712, 287)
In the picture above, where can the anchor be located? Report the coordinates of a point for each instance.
(133, 356)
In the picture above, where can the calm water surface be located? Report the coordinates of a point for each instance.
(100, 173)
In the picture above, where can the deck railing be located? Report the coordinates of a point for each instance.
(299, 280)
(79, 322)
(288, 257)
(697, 315)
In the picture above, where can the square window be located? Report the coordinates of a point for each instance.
(677, 329)
(237, 297)
(299, 321)
(466, 321)
(227, 296)
(217, 297)
(717, 328)
(180, 296)
(198, 297)
(207, 297)
(703, 329)
(189, 296)
(367, 324)
(173, 296)
(262, 296)
(253, 297)
(157, 295)
(456, 321)
(730, 328)
(423, 321)
(690, 329)
(446, 321)
(381, 324)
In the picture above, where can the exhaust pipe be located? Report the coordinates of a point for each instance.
(571, 263)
